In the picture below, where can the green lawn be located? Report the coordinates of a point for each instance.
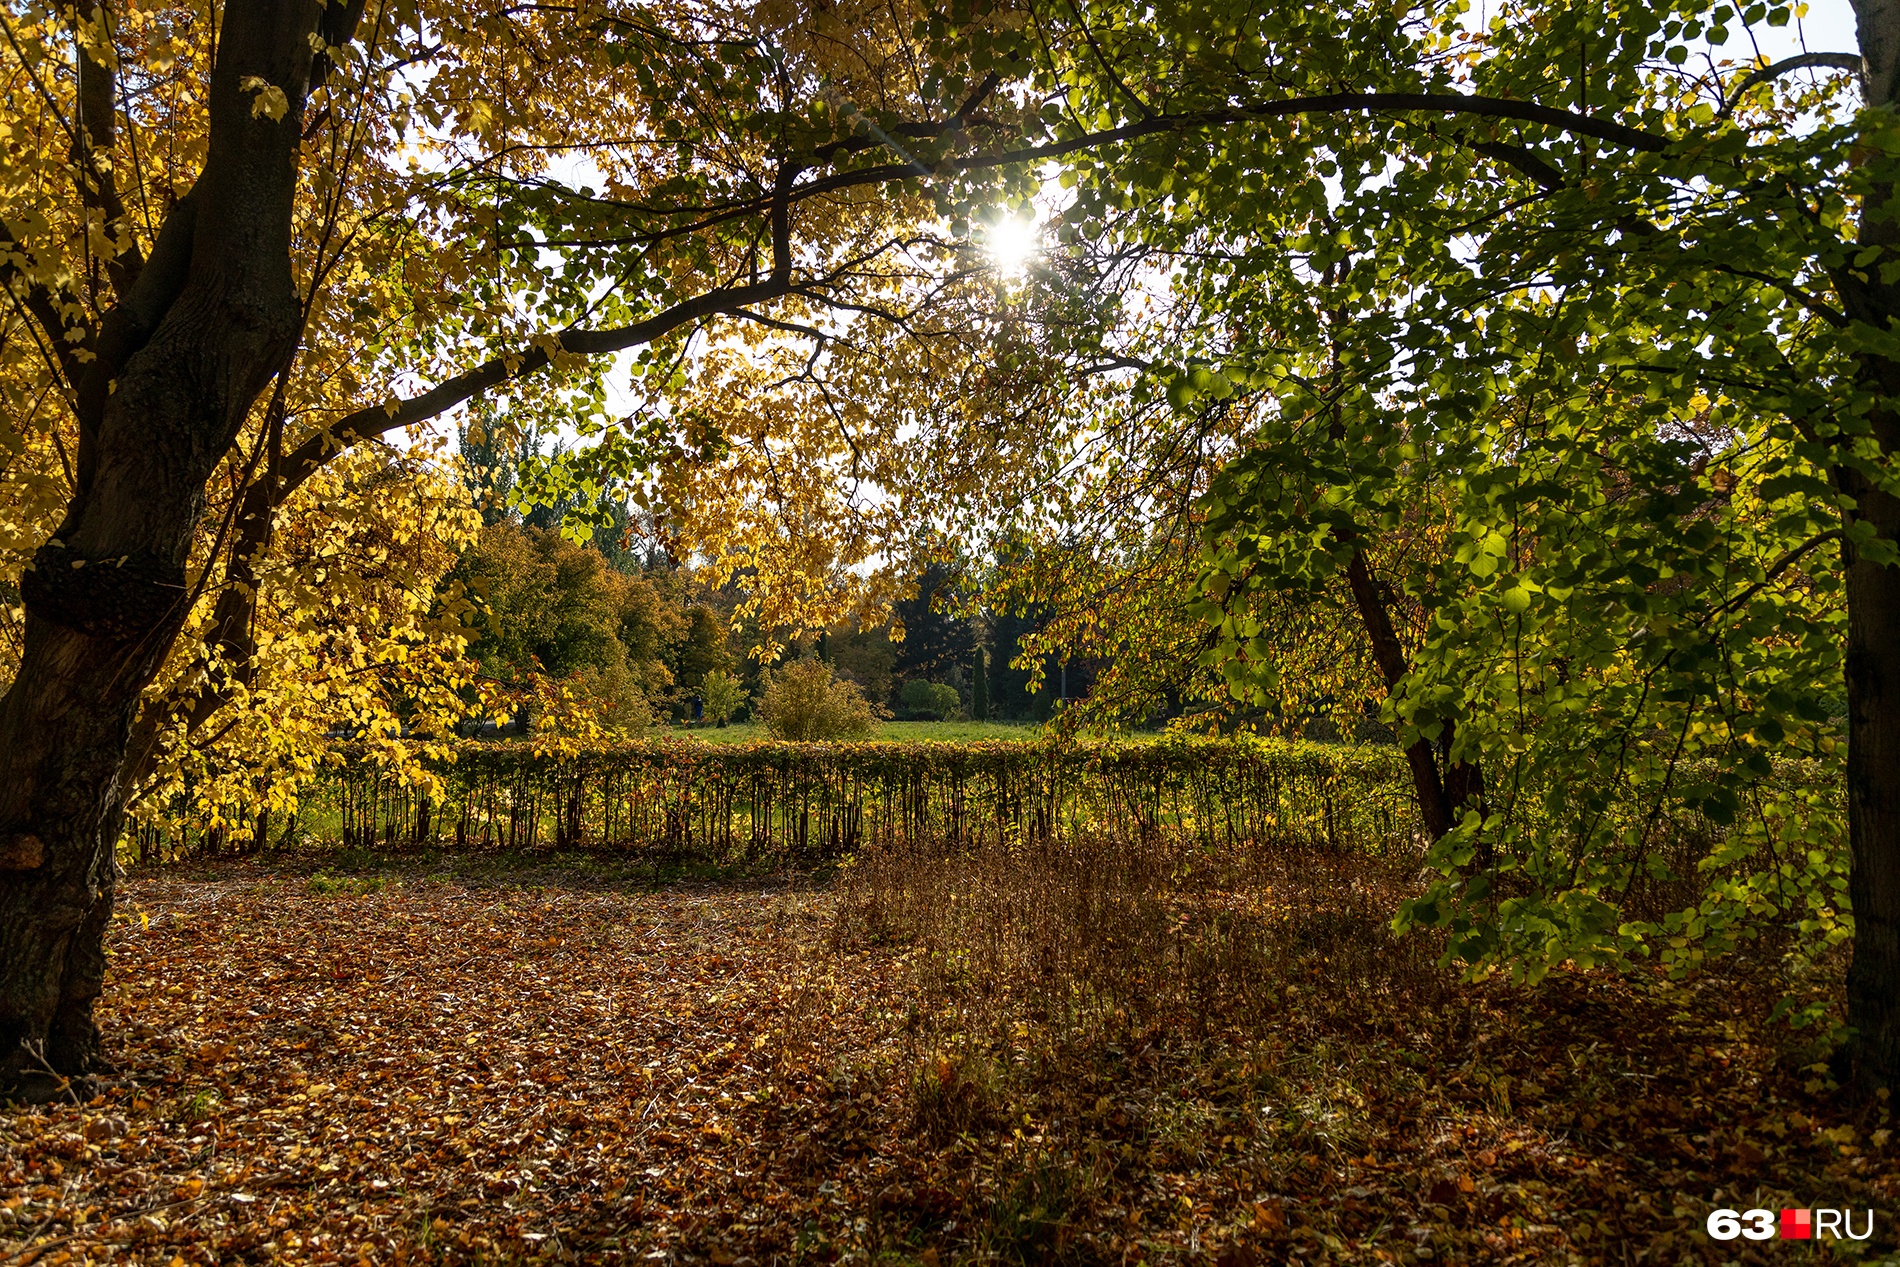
(888, 732)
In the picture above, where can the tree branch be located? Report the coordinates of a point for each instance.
(717, 212)
(307, 458)
(364, 424)
(1782, 564)
(1523, 160)
(1801, 61)
(98, 106)
(1347, 102)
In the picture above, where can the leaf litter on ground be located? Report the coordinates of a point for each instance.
(549, 1066)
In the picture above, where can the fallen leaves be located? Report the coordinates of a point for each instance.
(439, 1071)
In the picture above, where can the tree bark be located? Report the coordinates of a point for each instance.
(1873, 797)
(190, 350)
(1441, 798)
(1873, 625)
(1873, 734)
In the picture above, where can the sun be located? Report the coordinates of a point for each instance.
(1011, 241)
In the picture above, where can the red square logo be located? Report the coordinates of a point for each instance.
(1797, 1225)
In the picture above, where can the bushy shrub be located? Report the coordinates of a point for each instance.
(804, 702)
(723, 695)
(612, 696)
(929, 700)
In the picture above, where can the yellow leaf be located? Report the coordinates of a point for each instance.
(270, 101)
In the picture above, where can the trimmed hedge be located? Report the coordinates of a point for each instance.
(813, 800)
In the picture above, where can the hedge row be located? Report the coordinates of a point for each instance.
(806, 800)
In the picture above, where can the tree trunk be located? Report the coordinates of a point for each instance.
(197, 336)
(1441, 800)
(1873, 624)
(1873, 741)
(1873, 801)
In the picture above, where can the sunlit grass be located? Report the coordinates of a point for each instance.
(887, 732)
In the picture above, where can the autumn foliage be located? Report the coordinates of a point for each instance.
(1514, 394)
(1065, 1052)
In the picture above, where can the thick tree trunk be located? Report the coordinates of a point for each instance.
(1873, 800)
(1873, 732)
(1873, 627)
(205, 327)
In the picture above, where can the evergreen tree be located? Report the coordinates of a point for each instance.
(702, 650)
(935, 638)
(489, 462)
(1010, 696)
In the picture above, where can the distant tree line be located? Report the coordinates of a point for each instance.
(618, 622)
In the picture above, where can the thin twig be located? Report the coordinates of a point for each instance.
(38, 1052)
(33, 1252)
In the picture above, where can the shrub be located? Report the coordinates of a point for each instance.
(930, 700)
(612, 696)
(804, 702)
(723, 695)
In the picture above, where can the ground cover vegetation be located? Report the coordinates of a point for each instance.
(1521, 388)
(1062, 1053)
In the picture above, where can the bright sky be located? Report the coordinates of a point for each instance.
(1827, 28)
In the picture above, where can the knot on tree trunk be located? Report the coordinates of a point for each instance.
(122, 598)
(21, 852)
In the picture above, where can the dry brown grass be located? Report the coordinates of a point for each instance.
(1095, 936)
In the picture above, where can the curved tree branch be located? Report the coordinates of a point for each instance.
(1524, 161)
(308, 458)
(376, 420)
(1801, 61)
(718, 212)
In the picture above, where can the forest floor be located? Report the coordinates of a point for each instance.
(565, 1062)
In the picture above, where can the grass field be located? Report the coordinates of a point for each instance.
(888, 732)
